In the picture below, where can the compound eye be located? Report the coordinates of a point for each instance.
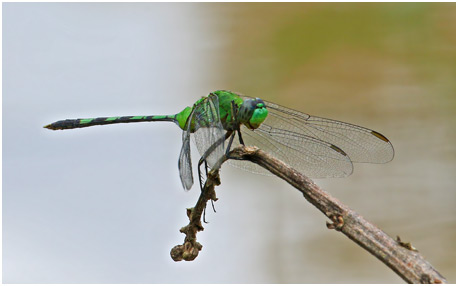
(253, 103)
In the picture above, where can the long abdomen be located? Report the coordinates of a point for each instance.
(86, 122)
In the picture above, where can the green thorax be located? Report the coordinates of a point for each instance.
(225, 107)
(225, 99)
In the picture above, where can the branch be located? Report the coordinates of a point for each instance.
(400, 256)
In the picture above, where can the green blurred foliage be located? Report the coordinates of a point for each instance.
(287, 48)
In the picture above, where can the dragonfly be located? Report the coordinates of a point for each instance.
(315, 146)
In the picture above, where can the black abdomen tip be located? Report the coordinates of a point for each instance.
(64, 124)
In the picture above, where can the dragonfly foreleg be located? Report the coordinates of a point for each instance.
(240, 136)
(230, 143)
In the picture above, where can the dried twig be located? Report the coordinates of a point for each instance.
(405, 261)
(190, 247)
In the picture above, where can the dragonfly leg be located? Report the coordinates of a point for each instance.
(202, 185)
(207, 153)
(205, 210)
(202, 160)
(236, 125)
(240, 136)
(230, 143)
(201, 176)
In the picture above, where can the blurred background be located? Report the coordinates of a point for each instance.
(105, 204)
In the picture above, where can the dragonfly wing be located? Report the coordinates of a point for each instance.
(205, 124)
(184, 161)
(209, 133)
(312, 157)
(252, 138)
(361, 144)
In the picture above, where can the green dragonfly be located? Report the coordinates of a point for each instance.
(315, 146)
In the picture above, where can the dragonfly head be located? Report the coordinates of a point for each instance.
(252, 112)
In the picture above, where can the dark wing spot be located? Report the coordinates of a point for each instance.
(338, 150)
(380, 136)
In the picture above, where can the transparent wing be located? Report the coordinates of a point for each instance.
(315, 146)
(361, 144)
(209, 133)
(251, 138)
(312, 157)
(184, 161)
